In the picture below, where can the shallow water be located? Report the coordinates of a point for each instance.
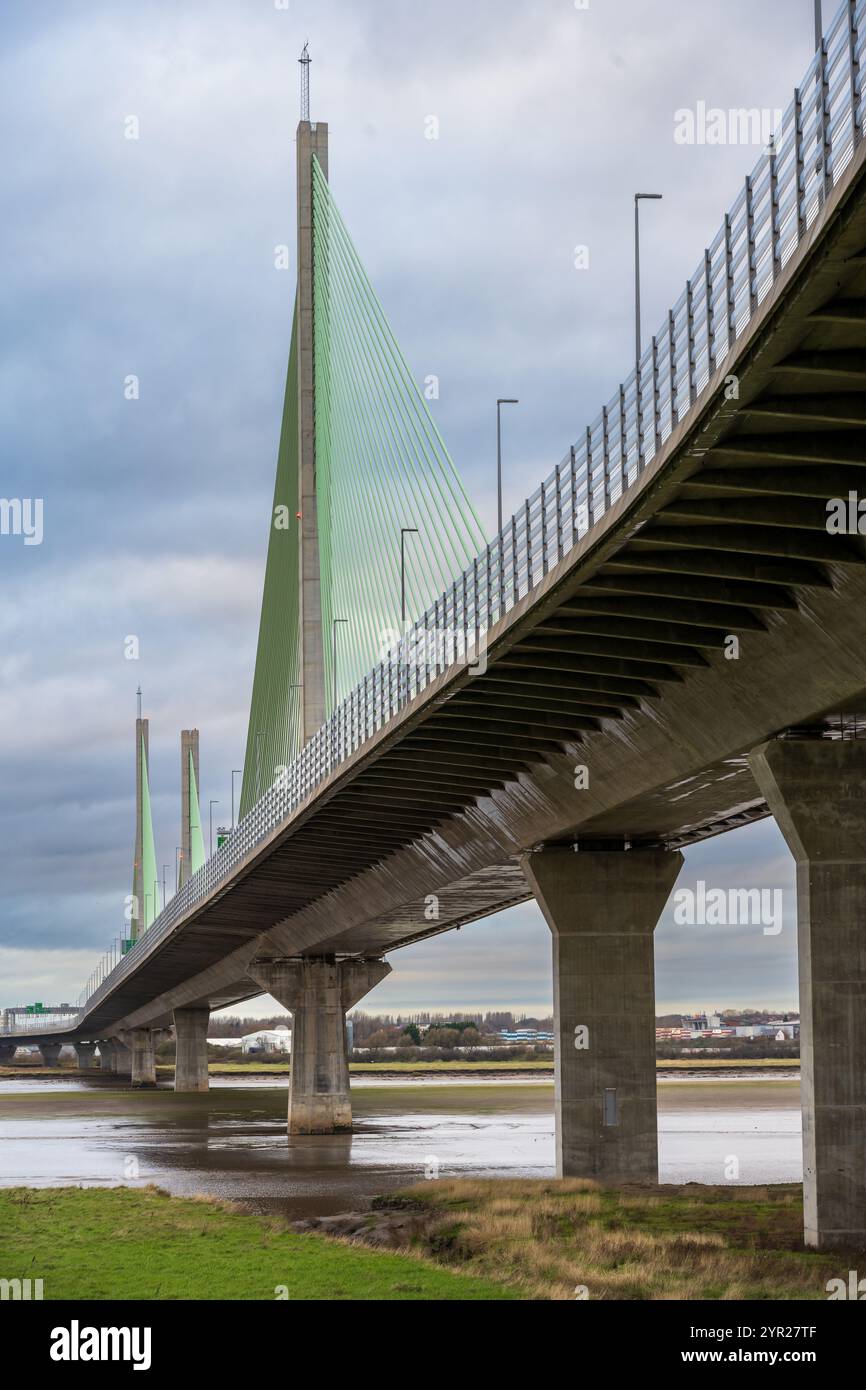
(231, 1143)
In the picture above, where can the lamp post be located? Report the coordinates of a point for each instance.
(178, 856)
(164, 872)
(638, 199)
(404, 532)
(237, 772)
(334, 657)
(210, 813)
(499, 404)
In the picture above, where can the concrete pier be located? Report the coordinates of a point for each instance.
(118, 1058)
(86, 1053)
(190, 1068)
(7, 1054)
(141, 1042)
(815, 790)
(318, 992)
(602, 909)
(50, 1053)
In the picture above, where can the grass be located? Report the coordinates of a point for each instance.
(549, 1239)
(479, 1240)
(125, 1243)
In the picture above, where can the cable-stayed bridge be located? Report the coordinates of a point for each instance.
(666, 641)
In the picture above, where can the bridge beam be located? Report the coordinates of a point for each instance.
(602, 908)
(814, 788)
(85, 1053)
(50, 1053)
(190, 1067)
(318, 992)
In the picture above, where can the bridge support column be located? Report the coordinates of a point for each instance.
(85, 1052)
(141, 1042)
(317, 992)
(815, 790)
(118, 1058)
(50, 1053)
(602, 908)
(190, 1068)
(7, 1054)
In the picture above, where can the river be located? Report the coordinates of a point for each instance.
(232, 1144)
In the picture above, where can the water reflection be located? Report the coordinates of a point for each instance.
(232, 1143)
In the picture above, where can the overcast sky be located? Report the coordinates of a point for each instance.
(155, 257)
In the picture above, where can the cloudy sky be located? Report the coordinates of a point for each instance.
(154, 257)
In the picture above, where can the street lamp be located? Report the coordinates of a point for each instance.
(238, 772)
(210, 813)
(404, 532)
(499, 404)
(638, 199)
(164, 872)
(334, 657)
(178, 856)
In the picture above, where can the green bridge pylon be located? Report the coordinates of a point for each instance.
(368, 507)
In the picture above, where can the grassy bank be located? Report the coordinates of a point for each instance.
(550, 1240)
(470, 1240)
(106, 1243)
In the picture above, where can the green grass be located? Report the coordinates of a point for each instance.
(125, 1243)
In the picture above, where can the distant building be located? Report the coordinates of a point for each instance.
(524, 1035)
(268, 1040)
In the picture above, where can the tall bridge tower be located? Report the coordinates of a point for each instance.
(312, 143)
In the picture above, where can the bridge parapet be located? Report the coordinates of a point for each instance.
(36, 1019)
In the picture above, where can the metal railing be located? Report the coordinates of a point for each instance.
(777, 207)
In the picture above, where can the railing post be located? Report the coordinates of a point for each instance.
(750, 245)
(729, 283)
(575, 533)
(775, 227)
(515, 577)
(489, 591)
(623, 440)
(799, 160)
(638, 408)
(672, 369)
(544, 565)
(528, 526)
(693, 367)
(711, 314)
(605, 455)
(590, 490)
(824, 106)
(657, 400)
(560, 548)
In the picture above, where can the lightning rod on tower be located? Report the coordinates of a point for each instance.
(305, 61)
